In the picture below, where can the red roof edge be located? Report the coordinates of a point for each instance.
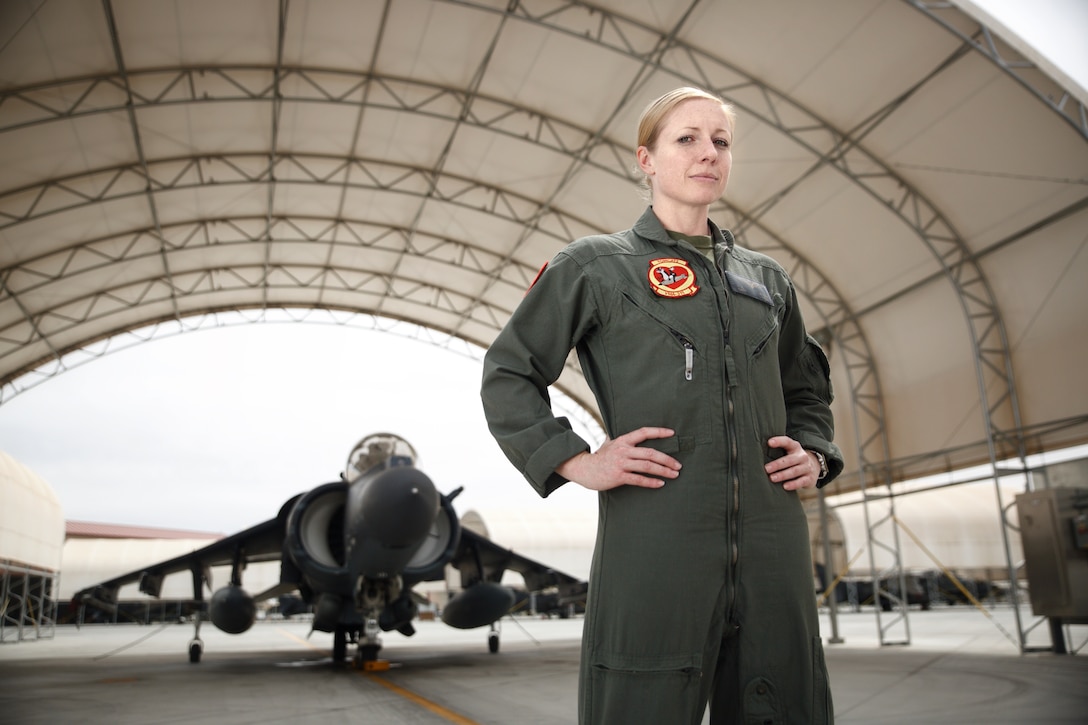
(92, 530)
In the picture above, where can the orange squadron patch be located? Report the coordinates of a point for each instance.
(671, 277)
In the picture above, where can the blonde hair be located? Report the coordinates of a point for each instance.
(649, 125)
(653, 116)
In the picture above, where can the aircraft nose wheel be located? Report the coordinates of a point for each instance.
(366, 651)
(493, 640)
(340, 645)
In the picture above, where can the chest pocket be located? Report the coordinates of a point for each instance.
(757, 317)
(757, 323)
(748, 288)
(657, 371)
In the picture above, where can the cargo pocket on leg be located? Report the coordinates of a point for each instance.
(761, 703)
(822, 709)
(659, 692)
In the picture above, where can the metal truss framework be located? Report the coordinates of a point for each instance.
(28, 606)
(983, 40)
(130, 91)
(103, 95)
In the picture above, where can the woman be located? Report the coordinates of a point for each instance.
(716, 403)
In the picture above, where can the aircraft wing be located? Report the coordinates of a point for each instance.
(262, 542)
(481, 559)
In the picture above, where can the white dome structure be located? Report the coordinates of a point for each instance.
(31, 541)
(561, 537)
(957, 528)
(31, 520)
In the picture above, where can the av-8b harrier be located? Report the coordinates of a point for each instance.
(354, 549)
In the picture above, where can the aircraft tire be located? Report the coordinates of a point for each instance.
(493, 642)
(195, 650)
(339, 645)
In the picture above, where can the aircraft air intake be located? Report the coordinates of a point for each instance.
(315, 538)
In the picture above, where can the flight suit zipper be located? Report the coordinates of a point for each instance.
(734, 533)
(736, 486)
(721, 294)
(731, 430)
(689, 353)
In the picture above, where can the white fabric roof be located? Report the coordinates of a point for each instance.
(924, 182)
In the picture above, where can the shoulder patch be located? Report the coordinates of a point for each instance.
(672, 277)
(749, 288)
(540, 272)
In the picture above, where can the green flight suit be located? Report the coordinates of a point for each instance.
(703, 588)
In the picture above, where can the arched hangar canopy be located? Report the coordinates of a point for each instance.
(920, 175)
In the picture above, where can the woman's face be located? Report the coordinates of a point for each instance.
(690, 162)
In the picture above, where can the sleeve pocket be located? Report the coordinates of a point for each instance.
(817, 369)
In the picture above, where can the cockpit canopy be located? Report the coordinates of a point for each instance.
(377, 451)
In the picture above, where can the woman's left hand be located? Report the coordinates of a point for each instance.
(798, 468)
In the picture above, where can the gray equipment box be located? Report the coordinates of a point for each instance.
(1054, 533)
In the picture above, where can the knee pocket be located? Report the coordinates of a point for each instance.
(761, 703)
(650, 690)
(822, 709)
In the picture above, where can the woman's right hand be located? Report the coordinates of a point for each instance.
(622, 462)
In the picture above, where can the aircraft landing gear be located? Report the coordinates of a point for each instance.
(196, 645)
(366, 653)
(339, 645)
(493, 639)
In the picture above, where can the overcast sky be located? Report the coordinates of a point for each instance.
(1055, 28)
(214, 430)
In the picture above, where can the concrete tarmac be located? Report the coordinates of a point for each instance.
(960, 667)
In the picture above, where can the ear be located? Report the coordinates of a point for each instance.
(645, 163)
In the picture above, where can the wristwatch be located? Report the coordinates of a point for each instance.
(823, 465)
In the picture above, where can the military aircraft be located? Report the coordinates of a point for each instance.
(353, 549)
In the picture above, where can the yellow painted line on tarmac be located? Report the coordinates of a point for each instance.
(423, 702)
(301, 640)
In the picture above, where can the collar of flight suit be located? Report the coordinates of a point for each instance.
(650, 227)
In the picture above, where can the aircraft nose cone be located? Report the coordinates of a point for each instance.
(397, 507)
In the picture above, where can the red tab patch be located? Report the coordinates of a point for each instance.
(531, 284)
(671, 277)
